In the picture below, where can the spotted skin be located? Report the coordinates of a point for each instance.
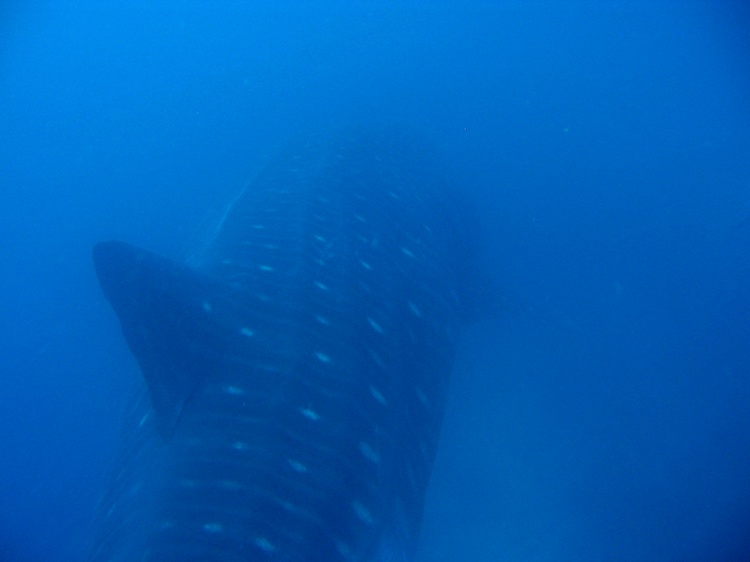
(295, 372)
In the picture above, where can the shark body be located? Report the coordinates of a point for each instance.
(296, 371)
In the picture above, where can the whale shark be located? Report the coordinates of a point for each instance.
(295, 367)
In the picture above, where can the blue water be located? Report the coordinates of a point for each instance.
(604, 415)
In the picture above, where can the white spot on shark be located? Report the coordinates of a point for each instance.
(309, 414)
(289, 506)
(375, 326)
(368, 452)
(377, 359)
(362, 513)
(233, 390)
(344, 549)
(297, 466)
(377, 395)
(213, 528)
(264, 544)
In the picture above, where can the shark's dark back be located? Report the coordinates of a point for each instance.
(297, 372)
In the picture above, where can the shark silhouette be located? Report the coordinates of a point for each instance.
(296, 371)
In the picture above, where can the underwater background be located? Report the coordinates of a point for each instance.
(603, 414)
